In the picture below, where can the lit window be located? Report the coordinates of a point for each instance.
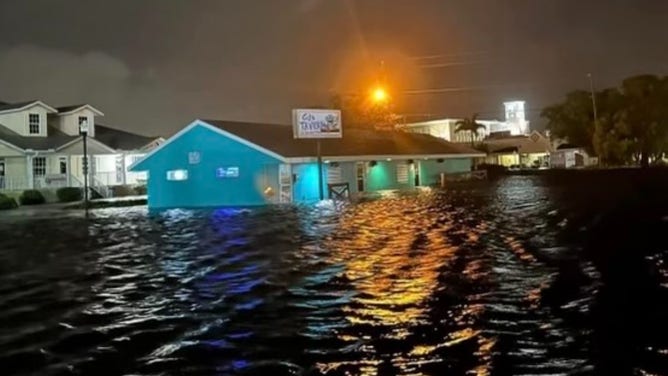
(33, 123)
(227, 172)
(177, 175)
(194, 157)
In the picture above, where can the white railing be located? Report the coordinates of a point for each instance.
(100, 187)
(13, 183)
(107, 178)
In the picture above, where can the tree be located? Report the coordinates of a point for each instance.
(469, 125)
(360, 112)
(646, 115)
(573, 119)
(632, 121)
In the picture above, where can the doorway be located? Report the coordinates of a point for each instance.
(360, 168)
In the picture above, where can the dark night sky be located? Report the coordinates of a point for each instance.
(152, 66)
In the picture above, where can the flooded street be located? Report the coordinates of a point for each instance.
(524, 275)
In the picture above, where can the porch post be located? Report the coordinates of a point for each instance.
(31, 180)
(124, 168)
(69, 170)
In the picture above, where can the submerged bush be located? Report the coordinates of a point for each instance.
(32, 197)
(7, 202)
(140, 190)
(69, 194)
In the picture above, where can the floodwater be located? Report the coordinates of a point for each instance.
(525, 275)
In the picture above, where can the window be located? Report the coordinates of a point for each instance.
(193, 157)
(334, 175)
(39, 166)
(227, 172)
(177, 175)
(62, 165)
(402, 173)
(33, 123)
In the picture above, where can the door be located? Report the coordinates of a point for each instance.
(2, 173)
(360, 168)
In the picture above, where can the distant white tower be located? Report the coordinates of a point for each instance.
(516, 121)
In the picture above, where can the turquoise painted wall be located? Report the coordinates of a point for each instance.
(305, 187)
(430, 170)
(203, 188)
(384, 176)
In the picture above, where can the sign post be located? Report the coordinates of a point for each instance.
(317, 124)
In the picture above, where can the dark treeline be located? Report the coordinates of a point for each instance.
(631, 126)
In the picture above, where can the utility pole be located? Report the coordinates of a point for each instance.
(593, 97)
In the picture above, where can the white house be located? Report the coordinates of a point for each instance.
(41, 148)
(515, 124)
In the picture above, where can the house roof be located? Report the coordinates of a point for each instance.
(121, 140)
(280, 140)
(68, 109)
(534, 143)
(55, 139)
(21, 105)
(13, 106)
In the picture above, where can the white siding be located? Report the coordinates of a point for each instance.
(69, 123)
(18, 121)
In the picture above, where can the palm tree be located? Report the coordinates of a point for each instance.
(469, 125)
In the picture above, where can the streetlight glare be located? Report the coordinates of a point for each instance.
(379, 95)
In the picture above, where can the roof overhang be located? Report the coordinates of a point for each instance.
(365, 158)
(11, 146)
(202, 123)
(29, 105)
(85, 106)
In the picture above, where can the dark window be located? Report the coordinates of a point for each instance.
(33, 123)
(62, 163)
(39, 166)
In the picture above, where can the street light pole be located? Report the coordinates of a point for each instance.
(83, 129)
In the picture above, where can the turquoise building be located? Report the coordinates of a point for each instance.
(214, 163)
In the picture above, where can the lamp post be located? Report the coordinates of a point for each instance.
(83, 130)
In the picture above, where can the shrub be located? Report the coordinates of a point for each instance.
(7, 202)
(31, 197)
(140, 190)
(69, 194)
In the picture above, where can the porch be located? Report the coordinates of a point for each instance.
(55, 170)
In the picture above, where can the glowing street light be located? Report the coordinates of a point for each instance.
(379, 95)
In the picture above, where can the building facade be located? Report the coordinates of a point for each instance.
(217, 163)
(41, 148)
(515, 124)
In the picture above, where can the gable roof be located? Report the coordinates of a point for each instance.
(64, 110)
(277, 141)
(121, 140)
(7, 107)
(355, 142)
(55, 139)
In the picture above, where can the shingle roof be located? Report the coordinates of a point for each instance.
(12, 106)
(355, 142)
(121, 140)
(55, 139)
(69, 108)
